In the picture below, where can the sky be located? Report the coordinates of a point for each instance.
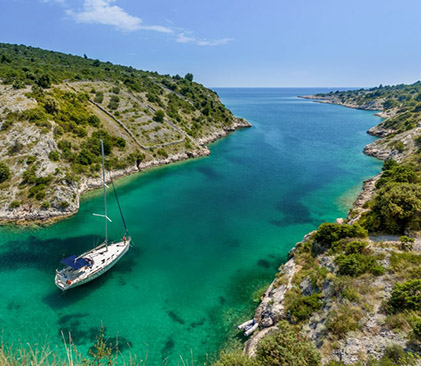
(232, 43)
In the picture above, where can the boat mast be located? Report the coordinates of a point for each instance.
(105, 195)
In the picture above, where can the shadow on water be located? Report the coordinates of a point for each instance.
(43, 255)
(209, 172)
(168, 347)
(74, 327)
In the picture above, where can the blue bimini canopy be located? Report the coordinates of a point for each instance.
(75, 263)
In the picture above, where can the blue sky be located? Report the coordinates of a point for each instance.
(232, 42)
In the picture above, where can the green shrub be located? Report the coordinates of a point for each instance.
(4, 172)
(114, 101)
(14, 204)
(416, 331)
(329, 233)
(348, 247)
(399, 174)
(63, 204)
(99, 97)
(407, 243)
(287, 347)
(396, 207)
(159, 116)
(396, 355)
(301, 307)
(162, 152)
(94, 120)
(344, 320)
(54, 155)
(357, 264)
(37, 191)
(406, 296)
(235, 359)
(50, 106)
(45, 205)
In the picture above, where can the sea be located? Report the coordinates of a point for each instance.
(208, 235)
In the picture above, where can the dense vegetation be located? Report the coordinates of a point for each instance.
(22, 65)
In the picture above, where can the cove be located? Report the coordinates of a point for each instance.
(207, 233)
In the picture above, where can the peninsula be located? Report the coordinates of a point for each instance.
(54, 109)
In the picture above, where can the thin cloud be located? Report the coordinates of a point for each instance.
(157, 28)
(183, 38)
(216, 42)
(104, 12)
(107, 13)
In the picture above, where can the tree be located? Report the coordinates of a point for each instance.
(44, 81)
(159, 116)
(189, 77)
(4, 172)
(397, 207)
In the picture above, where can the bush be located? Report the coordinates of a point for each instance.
(344, 320)
(399, 174)
(357, 264)
(159, 116)
(14, 204)
(99, 97)
(114, 101)
(235, 359)
(287, 347)
(406, 296)
(4, 172)
(162, 152)
(45, 205)
(50, 106)
(397, 356)
(328, 233)
(301, 307)
(406, 243)
(416, 331)
(63, 204)
(54, 155)
(396, 207)
(94, 120)
(347, 247)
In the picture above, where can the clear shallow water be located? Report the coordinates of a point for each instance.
(208, 233)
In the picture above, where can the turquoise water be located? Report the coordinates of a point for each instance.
(207, 233)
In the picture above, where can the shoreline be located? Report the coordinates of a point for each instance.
(24, 217)
(271, 307)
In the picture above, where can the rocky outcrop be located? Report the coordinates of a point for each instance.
(222, 132)
(372, 105)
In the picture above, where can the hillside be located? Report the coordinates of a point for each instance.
(54, 109)
(350, 293)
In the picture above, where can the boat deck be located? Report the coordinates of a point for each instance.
(101, 258)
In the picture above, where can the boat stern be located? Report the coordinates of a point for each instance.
(61, 281)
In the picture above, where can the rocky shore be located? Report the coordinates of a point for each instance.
(72, 191)
(373, 335)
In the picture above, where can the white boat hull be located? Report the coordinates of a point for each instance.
(103, 258)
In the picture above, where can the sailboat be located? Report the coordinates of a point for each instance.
(80, 269)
